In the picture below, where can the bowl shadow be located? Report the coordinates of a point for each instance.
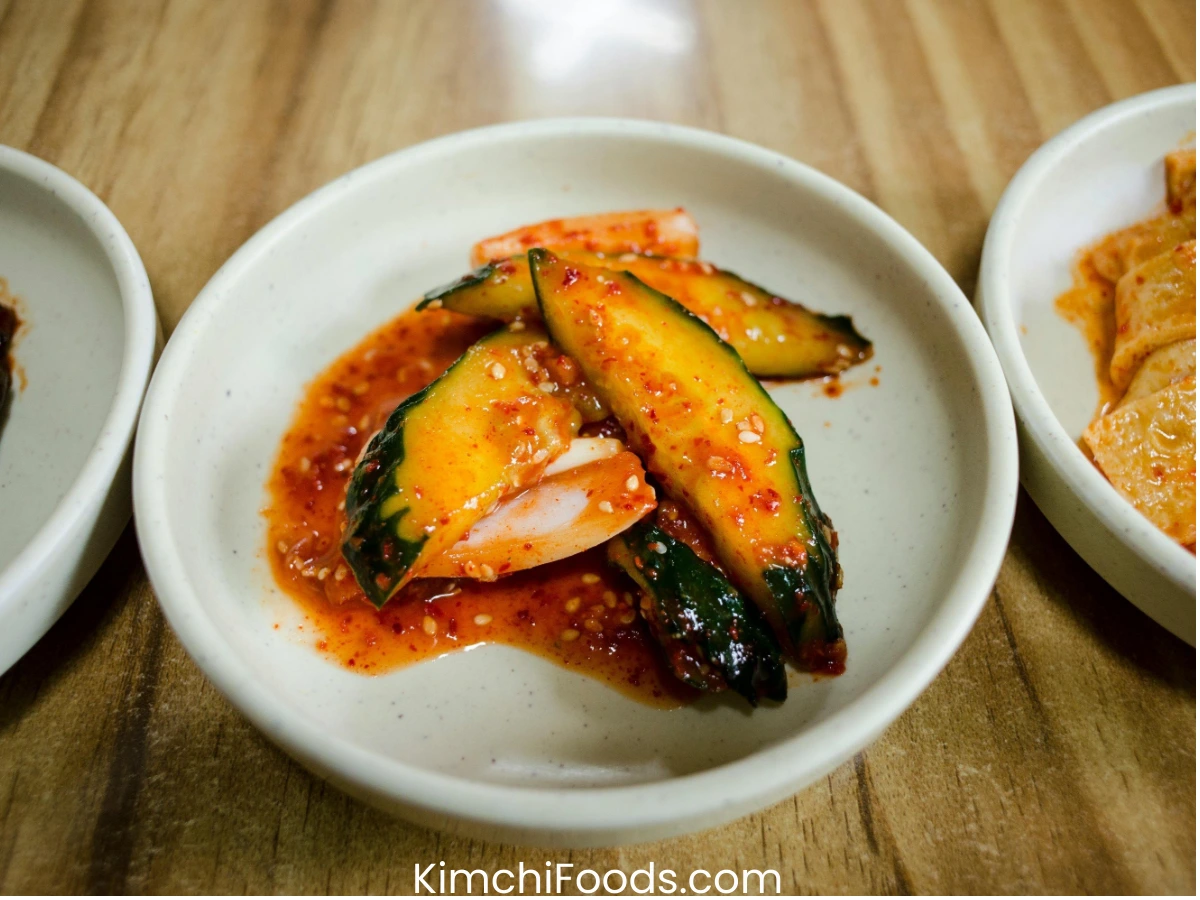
(1096, 606)
(68, 639)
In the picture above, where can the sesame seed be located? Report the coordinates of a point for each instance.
(434, 304)
(726, 416)
(488, 573)
(483, 619)
(546, 386)
(339, 574)
(341, 466)
(748, 437)
(631, 483)
(323, 573)
(497, 371)
(341, 505)
(593, 626)
(516, 326)
(360, 389)
(749, 299)
(628, 598)
(718, 464)
(590, 578)
(540, 345)
(569, 634)
(605, 506)
(645, 604)
(757, 422)
(658, 547)
(364, 423)
(325, 403)
(343, 404)
(305, 464)
(627, 617)
(540, 455)
(530, 364)
(610, 599)
(470, 568)
(743, 425)
(281, 547)
(429, 626)
(572, 605)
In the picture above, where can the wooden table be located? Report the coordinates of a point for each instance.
(1057, 750)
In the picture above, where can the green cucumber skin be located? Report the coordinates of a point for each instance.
(370, 545)
(470, 280)
(695, 607)
(816, 619)
(816, 583)
(845, 325)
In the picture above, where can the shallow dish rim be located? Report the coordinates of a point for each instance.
(95, 477)
(593, 815)
(1083, 479)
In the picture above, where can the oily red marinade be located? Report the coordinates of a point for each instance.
(577, 613)
(1089, 305)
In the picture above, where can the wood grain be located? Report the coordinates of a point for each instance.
(1056, 753)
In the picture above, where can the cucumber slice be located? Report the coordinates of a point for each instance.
(711, 435)
(776, 338)
(714, 639)
(500, 290)
(447, 455)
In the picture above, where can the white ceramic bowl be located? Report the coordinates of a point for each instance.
(1099, 175)
(919, 475)
(86, 350)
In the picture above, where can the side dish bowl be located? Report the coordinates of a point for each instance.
(83, 357)
(918, 471)
(1099, 175)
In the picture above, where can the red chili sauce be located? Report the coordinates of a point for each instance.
(1090, 306)
(577, 613)
(833, 386)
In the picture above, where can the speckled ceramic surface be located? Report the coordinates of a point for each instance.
(83, 357)
(1100, 175)
(919, 474)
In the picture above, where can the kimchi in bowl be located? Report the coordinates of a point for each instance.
(1099, 176)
